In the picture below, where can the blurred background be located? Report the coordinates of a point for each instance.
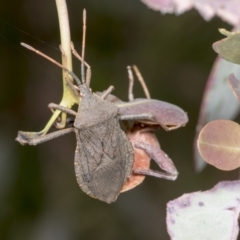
(39, 195)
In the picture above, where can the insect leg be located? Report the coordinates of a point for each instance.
(130, 87)
(154, 173)
(107, 92)
(54, 106)
(24, 137)
(141, 80)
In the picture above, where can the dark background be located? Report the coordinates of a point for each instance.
(39, 195)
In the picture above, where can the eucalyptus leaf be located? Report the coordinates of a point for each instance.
(218, 101)
(208, 215)
(219, 144)
(235, 85)
(227, 10)
(229, 47)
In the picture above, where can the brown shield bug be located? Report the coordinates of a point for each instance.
(104, 154)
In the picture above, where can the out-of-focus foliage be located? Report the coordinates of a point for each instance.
(218, 141)
(227, 10)
(235, 85)
(218, 101)
(229, 47)
(219, 144)
(211, 214)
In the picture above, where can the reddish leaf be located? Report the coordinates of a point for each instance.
(219, 144)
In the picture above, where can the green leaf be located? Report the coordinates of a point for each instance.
(229, 48)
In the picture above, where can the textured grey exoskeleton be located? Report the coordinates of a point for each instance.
(104, 154)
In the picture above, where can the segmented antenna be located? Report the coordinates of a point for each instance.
(53, 61)
(83, 45)
(41, 54)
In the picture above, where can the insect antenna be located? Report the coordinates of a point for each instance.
(88, 73)
(53, 61)
(41, 54)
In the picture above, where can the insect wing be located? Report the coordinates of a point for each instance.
(103, 160)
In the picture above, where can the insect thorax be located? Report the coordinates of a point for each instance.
(94, 110)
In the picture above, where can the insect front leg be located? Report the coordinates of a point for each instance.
(54, 106)
(58, 123)
(25, 137)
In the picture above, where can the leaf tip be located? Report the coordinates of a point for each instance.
(224, 32)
